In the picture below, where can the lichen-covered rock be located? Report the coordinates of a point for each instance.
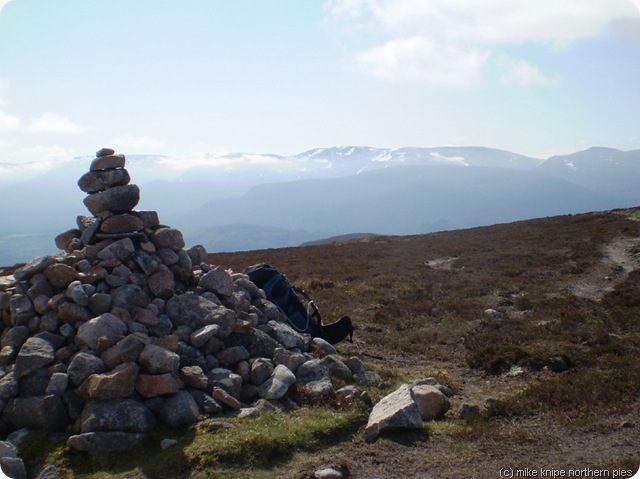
(117, 415)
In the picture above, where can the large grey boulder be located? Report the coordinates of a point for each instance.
(225, 379)
(109, 441)
(119, 199)
(261, 370)
(312, 370)
(117, 415)
(290, 359)
(157, 360)
(21, 309)
(195, 311)
(286, 335)
(84, 365)
(217, 281)
(36, 412)
(106, 325)
(119, 383)
(9, 386)
(278, 384)
(37, 265)
(396, 411)
(180, 409)
(126, 350)
(34, 354)
(257, 342)
(94, 181)
(106, 159)
(166, 237)
(154, 385)
(129, 296)
(119, 224)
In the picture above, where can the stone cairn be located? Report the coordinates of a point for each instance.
(127, 328)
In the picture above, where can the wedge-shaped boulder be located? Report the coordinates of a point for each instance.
(395, 412)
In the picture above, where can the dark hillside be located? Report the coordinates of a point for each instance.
(558, 359)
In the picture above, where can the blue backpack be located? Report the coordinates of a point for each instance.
(304, 319)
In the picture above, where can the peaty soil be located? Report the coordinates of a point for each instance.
(420, 303)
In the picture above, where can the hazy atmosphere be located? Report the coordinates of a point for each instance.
(184, 184)
(195, 78)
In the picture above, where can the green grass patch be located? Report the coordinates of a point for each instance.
(253, 448)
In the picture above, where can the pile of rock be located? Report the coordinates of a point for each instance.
(126, 328)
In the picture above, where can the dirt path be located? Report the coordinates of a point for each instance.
(618, 261)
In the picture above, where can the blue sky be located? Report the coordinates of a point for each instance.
(192, 77)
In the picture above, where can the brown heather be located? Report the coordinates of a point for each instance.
(537, 322)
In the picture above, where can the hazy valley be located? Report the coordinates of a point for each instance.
(253, 201)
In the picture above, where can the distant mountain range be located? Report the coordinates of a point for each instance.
(255, 201)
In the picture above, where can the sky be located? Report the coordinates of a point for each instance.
(206, 77)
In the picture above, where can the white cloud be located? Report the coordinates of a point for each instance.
(524, 74)
(443, 41)
(418, 59)
(8, 122)
(54, 123)
(20, 162)
(227, 161)
(136, 144)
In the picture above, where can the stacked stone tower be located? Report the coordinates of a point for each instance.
(126, 328)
